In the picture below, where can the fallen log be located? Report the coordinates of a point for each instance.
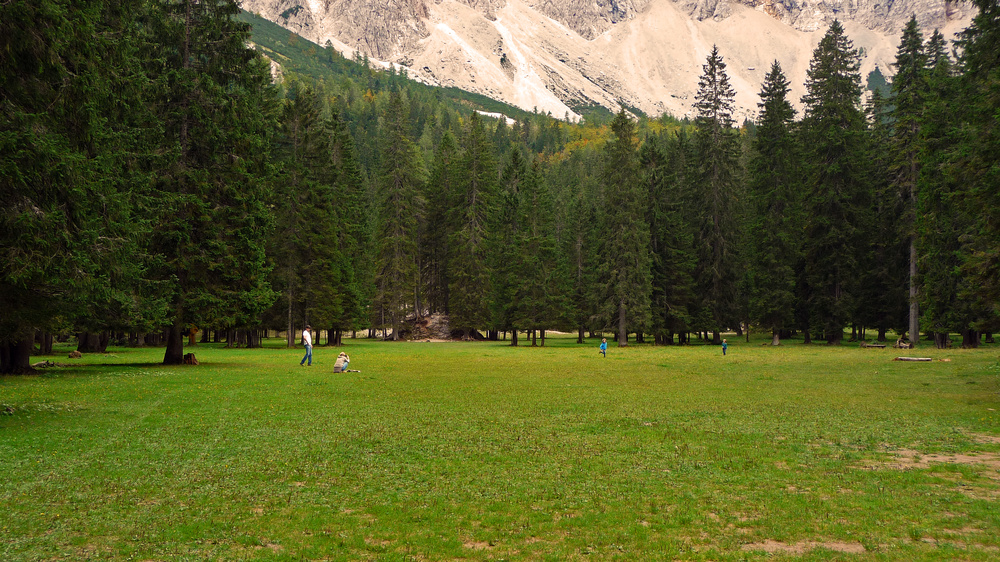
(913, 359)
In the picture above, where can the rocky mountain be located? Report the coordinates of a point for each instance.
(557, 55)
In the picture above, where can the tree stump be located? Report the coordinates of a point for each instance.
(189, 359)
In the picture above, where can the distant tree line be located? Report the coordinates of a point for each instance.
(155, 180)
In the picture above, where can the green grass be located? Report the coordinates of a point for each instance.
(479, 451)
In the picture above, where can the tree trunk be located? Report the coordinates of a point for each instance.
(543, 336)
(622, 334)
(45, 345)
(174, 354)
(716, 337)
(940, 340)
(914, 305)
(579, 335)
(808, 336)
(88, 342)
(970, 339)
(534, 338)
(290, 337)
(513, 338)
(15, 358)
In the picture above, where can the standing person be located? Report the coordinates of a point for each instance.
(307, 341)
(724, 346)
(604, 347)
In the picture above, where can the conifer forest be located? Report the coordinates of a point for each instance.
(156, 178)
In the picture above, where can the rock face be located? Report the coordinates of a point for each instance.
(555, 55)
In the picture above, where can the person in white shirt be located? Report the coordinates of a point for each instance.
(308, 342)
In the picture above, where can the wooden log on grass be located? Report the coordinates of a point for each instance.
(913, 359)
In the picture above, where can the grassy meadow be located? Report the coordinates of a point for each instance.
(480, 451)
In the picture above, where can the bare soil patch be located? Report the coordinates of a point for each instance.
(802, 547)
(908, 458)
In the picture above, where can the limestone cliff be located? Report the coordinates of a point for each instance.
(554, 55)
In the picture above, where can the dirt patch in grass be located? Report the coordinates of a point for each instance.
(984, 438)
(907, 458)
(477, 545)
(802, 547)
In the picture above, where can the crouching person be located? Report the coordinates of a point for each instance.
(343, 360)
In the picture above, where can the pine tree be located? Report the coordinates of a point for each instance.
(833, 136)
(210, 197)
(625, 260)
(975, 160)
(509, 254)
(73, 128)
(309, 264)
(468, 263)
(909, 87)
(435, 248)
(719, 177)
(401, 174)
(941, 220)
(543, 296)
(579, 223)
(356, 233)
(774, 179)
(882, 293)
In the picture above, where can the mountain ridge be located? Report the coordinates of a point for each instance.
(645, 54)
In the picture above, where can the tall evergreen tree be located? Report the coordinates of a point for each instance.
(210, 197)
(356, 232)
(510, 259)
(468, 265)
(774, 179)
(882, 298)
(719, 180)
(909, 87)
(625, 260)
(544, 288)
(833, 136)
(975, 159)
(942, 221)
(73, 128)
(401, 174)
(435, 249)
(308, 260)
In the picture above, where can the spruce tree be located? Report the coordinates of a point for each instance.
(468, 264)
(975, 159)
(356, 232)
(774, 179)
(909, 89)
(400, 177)
(218, 110)
(510, 257)
(719, 180)
(74, 128)
(544, 288)
(625, 260)
(941, 219)
(882, 294)
(833, 138)
(435, 249)
(308, 262)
